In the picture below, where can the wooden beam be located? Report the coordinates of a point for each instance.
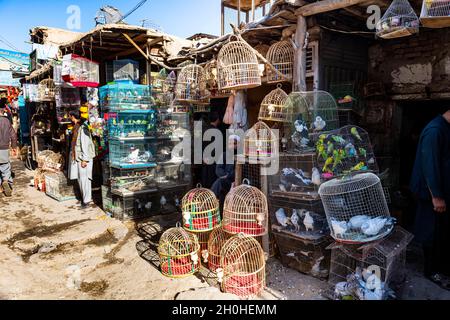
(325, 6)
(299, 83)
(135, 45)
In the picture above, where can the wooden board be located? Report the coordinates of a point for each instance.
(435, 22)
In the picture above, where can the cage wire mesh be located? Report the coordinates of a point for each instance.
(313, 112)
(399, 20)
(356, 208)
(191, 85)
(281, 57)
(345, 151)
(179, 253)
(216, 240)
(246, 211)
(389, 255)
(238, 67)
(200, 210)
(212, 79)
(243, 267)
(435, 13)
(203, 238)
(273, 107)
(46, 90)
(261, 142)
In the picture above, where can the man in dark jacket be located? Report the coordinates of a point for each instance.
(209, 169)
(431, 185)
(8, 138)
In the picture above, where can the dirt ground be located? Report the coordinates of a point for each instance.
(52, 250)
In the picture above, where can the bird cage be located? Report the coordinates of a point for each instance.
(46, 90)
(203, 238)
(281, 57)
(273, 107)
(243, 267)
(261, 142)
(200, 210)
(246, 211)
(217, 239)
(238, 67)
(385, 258)
(212, 80)
(356, 208)
(191, 85)
(345, 151)
(179, 253)
(399, 20)
(435, 13)
(313, 112)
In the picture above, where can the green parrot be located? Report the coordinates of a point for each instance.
(339, 139)
(327, 164)
(114, 122)
(338, 156)
(321, 150)
(330, 148)
(363, 152)
(360, 166)
(355, 132)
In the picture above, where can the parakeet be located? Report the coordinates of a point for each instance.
(338, 156)
(350, 150)
(316, 177)
(339, 139)
(363, 152)
(339, 227)
(319, 124)
(321, 151)
(330, 147)
(308, 222)
(359, 167)
(355, 133)
(328, 162)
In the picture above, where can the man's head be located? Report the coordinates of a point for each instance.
(75, 116)
(446, 115)
(214, 119)
(233, 142)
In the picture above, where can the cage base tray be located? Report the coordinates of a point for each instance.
(365, 240)
(398, 33)
(435, 22)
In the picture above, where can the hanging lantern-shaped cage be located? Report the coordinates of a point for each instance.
(281, 57)
(238, 67)
(261, 142)
(191, 85)
(243, 267)
(178, 253)
(46, 90)
(246, 211)
(435, 13)
(217, 239)
(200, 209)
(399, 20)
(273, 107)
(356, 208)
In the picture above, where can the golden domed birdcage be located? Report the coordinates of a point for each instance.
(212, 79)
(261, 142)
(246, 211)
(273, 107)
(243, 267)
(217, 239)
(191, 85)
(46, 90)
(281, 56)
(178, 253)
(238, 66)
(200, 209)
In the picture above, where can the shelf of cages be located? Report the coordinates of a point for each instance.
(79, 71)
(66, 99)
(172, 174)
(132, 153)
(118, 97)
(173, 122)
(127, 181)
(132, 123)
(298, 177)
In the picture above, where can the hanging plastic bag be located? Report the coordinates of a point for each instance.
(228, 118)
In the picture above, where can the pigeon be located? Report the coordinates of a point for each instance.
(339, 228)
(319, 124)
(373, 282)
(295, 220)
(133, 157)
(356, 222)
(163, 201)
(148, 206)
(316, 271)
(373, 226)
(282, 219)
(316, 177)
(308, 222)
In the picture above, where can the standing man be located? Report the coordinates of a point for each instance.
(431, 185)
(209, 170)
(82, 157)
(8, 137)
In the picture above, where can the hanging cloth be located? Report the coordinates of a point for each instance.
(228, 118)
(240, 119)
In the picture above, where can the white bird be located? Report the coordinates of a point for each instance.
(295, 220)
(316, 177)
(148, 205)
(282, 219)
(373, 282)
(316, 271)
(163, 201)
(133, 156)
(356, 222)
(319, 124)
(282, 188)
(368, 295)
(271, 109)
(308, 222)
(339, 228)
(139, 204)
(343, 289)
(373, 226)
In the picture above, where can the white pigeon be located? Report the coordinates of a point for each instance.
(148, 205)
(282, 188)
(339, 228)
(373, 227)
(133, 156)
(282, 219)
(308, 222)
(356, 222)
(295, 220)
(373, 282)
(163, 201)
(316, 177)
(319, 124)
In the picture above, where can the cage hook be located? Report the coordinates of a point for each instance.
(246, 181)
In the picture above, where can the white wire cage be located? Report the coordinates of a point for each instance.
(46, 90)
(399, 20)
(191, 86)
(261, 142)
(356, 208)
(435, 13)
(281, 57)
(273, 107)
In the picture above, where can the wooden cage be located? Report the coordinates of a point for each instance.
(217, 239)
(243, 267)
(261, 142)
(179, 253)
(274, 108)
(238, 67)
(246, 211)
(281, 56)
(46, 90)
(212, 80)
(200, 210)
(191, 85)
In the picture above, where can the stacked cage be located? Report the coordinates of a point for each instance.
(399, 20)
(281, 56)
(273, 107)
(435, 13)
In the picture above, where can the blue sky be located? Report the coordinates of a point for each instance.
(178, 17)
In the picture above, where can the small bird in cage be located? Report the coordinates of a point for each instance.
(295, 219)
(282, 219)
(373, 226)
(163, 202)
(339, 227)
(350, 150)
(308, 222)
(316, 177)
(356, 222)
(355, 133)
(319, 124)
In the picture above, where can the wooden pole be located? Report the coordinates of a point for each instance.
(299, 83)
(149, 66)
(222, 21)
(253, 10)
(239, 12)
